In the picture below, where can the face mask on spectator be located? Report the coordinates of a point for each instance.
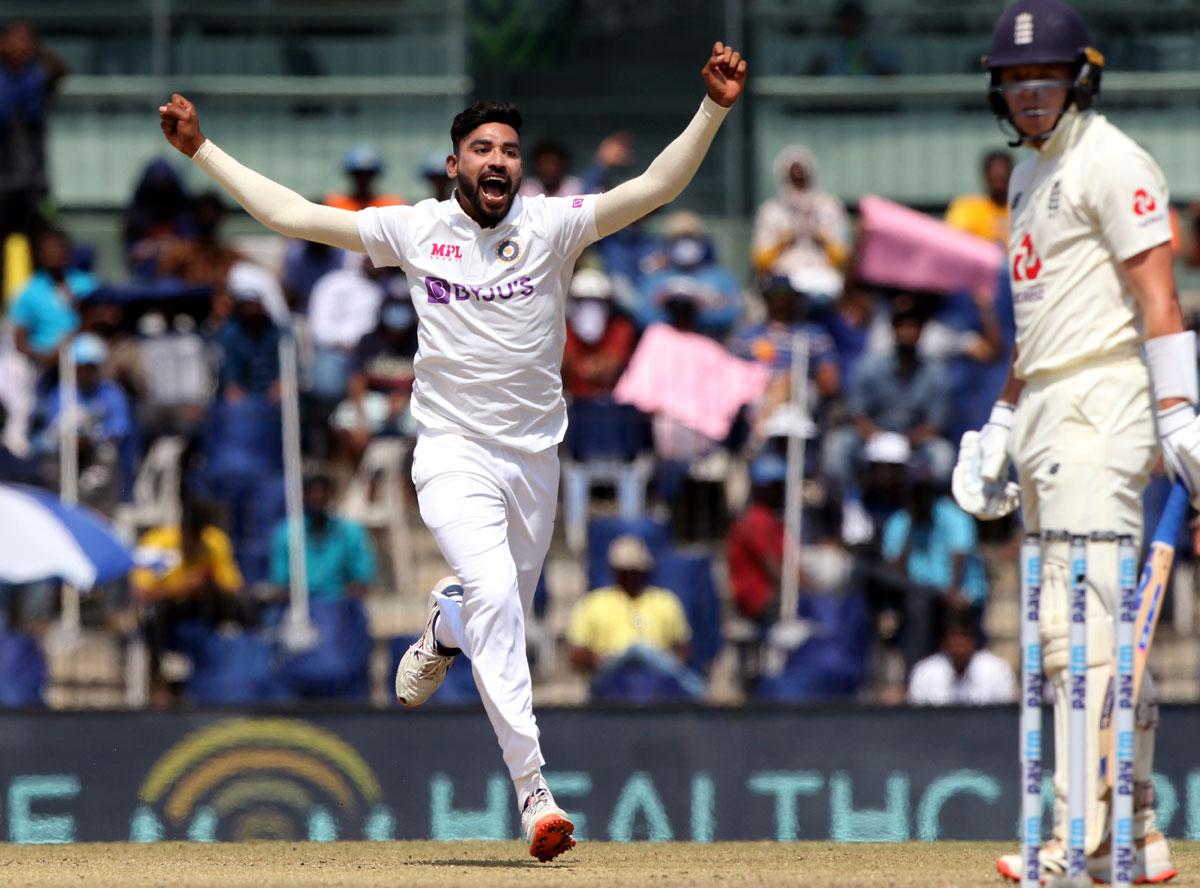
(689, 251)
(398, 316)
(589, 318)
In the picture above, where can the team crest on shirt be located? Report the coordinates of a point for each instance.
(1055, 198)
(508, 250)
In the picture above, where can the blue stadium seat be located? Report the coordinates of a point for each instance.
(234, 670)
(639, 685)
(338, 667)
(690, 577)
(602, 531)
(832, 663)
(600, 428)
(459, 687)
(22, 670)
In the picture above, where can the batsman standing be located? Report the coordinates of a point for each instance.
(488, 272)
(1102, 374)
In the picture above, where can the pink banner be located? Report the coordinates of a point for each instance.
(900, 247)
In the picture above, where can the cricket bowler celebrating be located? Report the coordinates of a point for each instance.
(488, 272)
(1102, 371)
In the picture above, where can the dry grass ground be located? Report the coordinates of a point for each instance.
(503, 864)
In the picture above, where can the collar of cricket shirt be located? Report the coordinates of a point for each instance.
(456, 216)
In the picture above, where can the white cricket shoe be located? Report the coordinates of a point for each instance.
(546, 826)
(1152, 866)
(424, 665)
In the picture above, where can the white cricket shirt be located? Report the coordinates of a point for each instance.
(490, 302)
(1085, 203)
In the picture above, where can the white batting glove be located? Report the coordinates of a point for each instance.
(1179, 429)
(980, 479)
(993, 443)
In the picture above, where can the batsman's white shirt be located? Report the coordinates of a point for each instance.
(1082, 205)
(490, 302)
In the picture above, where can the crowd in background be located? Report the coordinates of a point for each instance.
(684, 391)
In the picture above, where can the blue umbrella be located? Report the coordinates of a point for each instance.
(42, 538)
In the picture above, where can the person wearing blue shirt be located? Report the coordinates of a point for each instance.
(107, 444)
(250, 348)
(337, 553)
(897, 392)
(771, 342)
(931, 545)
(28, 76)
(690, 253)
(46, 312)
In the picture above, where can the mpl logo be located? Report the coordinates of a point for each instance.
(1143, 202)
(446, 251)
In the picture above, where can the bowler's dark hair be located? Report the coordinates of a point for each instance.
(485, 111)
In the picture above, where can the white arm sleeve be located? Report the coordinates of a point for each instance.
(665, 178)
(277, 207)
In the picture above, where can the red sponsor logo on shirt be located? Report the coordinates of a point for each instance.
(1026, 265)
(446, 251)
(1143, 202)
(577, 203)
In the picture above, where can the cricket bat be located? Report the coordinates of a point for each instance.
(1156, 572)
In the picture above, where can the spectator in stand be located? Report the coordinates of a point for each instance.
(337, 552)
(550, 163)
(205, 259)
(771, 343)
(849, 324)
(628, 256)
(755, 546)
(433, 171)
(199, 581)
(895, 392)
(250, 350)
(848, 53)
(631, 623)
(363, 165)
(158, 216)
(690, 253)
(600, 338)
(962, 672)
(343, 308)
(305, 263)
(930, 546)
(46, 312)
(381, 381)
(29, 74)
(802, 233)
(986, 215)
(600, 342)
(104, 420)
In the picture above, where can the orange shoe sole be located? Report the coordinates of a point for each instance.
(551, 837)
(1162, 877)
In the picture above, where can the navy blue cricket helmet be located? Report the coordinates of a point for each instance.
(1043, 32)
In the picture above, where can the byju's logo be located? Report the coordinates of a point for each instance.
(443, 292)
(446, 251)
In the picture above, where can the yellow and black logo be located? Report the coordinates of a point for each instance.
(273, 778)
(508, 250)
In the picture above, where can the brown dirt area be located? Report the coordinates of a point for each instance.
(503, 864)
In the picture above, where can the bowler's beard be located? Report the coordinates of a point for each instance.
(470, 193)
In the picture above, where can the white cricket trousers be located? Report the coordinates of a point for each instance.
(1084, 443)
(491, 511)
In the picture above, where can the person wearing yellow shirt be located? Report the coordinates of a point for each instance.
(194, 578)
(632, 623)
(985, 215)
